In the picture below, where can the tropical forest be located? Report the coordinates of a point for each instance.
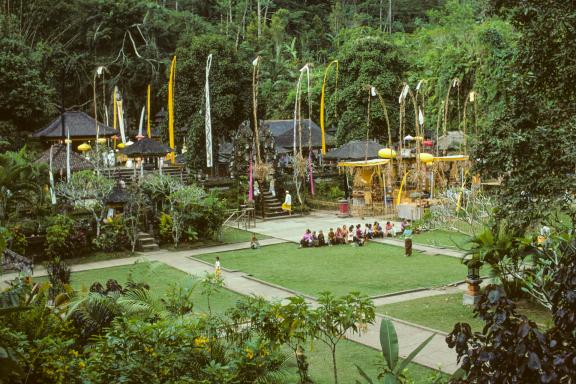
(287, 191)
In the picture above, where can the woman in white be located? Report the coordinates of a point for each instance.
(287, 206)
(217, 268)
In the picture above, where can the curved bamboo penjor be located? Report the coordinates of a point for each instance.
(298, 161)
(261, 169)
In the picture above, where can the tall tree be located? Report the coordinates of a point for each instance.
(531, 147)
(229, 92)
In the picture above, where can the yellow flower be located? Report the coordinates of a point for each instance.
(81, 365)
(200, 341)
(249, 354)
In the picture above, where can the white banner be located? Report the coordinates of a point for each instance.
(52, 191)
(120, 116)
(208, 117)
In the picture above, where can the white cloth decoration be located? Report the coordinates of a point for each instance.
(141, 122)
(52, 190)
(120, 116)
(404, 93)
(420, 117)
(208, 117)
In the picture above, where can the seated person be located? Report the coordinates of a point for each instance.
(350, 236)
(344, 234)
(332, 236)
(314, 239)
(306, 240)
(389, 229)
(254, 244)
(405, 225)
(339, 236)
(368, 233)
(321, 239)
(376, 230)
(358, 236)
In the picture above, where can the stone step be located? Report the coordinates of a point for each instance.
(148, 247)
(149, 240)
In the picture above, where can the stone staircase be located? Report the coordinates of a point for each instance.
(271, 207)
(146, 243)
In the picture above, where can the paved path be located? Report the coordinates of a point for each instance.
(427, 249)
(435, 355)
(391, 299)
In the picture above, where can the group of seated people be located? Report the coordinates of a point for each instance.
(355, 235)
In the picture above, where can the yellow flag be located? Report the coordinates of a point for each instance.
(115, 122)
(148, 112)
(322, 106)
(399, 198)
(171, 108)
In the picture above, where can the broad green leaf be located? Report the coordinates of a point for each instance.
(364, 375)
(413, 354)
(389, 342)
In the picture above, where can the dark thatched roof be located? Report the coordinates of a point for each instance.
(283, 132)
(79, 124)
(146, 147)
(77, 162)
(451, 140)
(355, 150)
(117, 196)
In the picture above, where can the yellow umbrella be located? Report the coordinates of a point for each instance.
(84, 147)
(425, 157)
(387, 153)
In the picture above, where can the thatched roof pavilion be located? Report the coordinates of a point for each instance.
(355, 150)
(77, 162)
(146, 148)
(80, 125)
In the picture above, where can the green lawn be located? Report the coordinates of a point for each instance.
(98, 256)
(374, 269)
(442, 312)
(442, 238)
(159, 277)
(234, 235)
(229, 235)
(348, 353)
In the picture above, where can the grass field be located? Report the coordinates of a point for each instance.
(229, 235)
(374, 269)
(159, 277)
(348, 353)
(441, 238)
(442, 312)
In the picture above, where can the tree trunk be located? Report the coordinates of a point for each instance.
(334, 364)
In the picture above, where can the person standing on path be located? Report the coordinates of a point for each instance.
(287, 206)
(217, 268)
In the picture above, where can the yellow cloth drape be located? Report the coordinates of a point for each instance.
(148, 112)
(171, 108)
(401, 188)
(322, 104)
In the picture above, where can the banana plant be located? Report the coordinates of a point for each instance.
(393, 372)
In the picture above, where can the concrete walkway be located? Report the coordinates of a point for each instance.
(426, 249)
(436, 355)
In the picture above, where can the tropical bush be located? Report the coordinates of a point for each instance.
(59, 234)
(113, 236)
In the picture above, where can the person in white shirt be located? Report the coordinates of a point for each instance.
(287, 206)
(217, 268)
